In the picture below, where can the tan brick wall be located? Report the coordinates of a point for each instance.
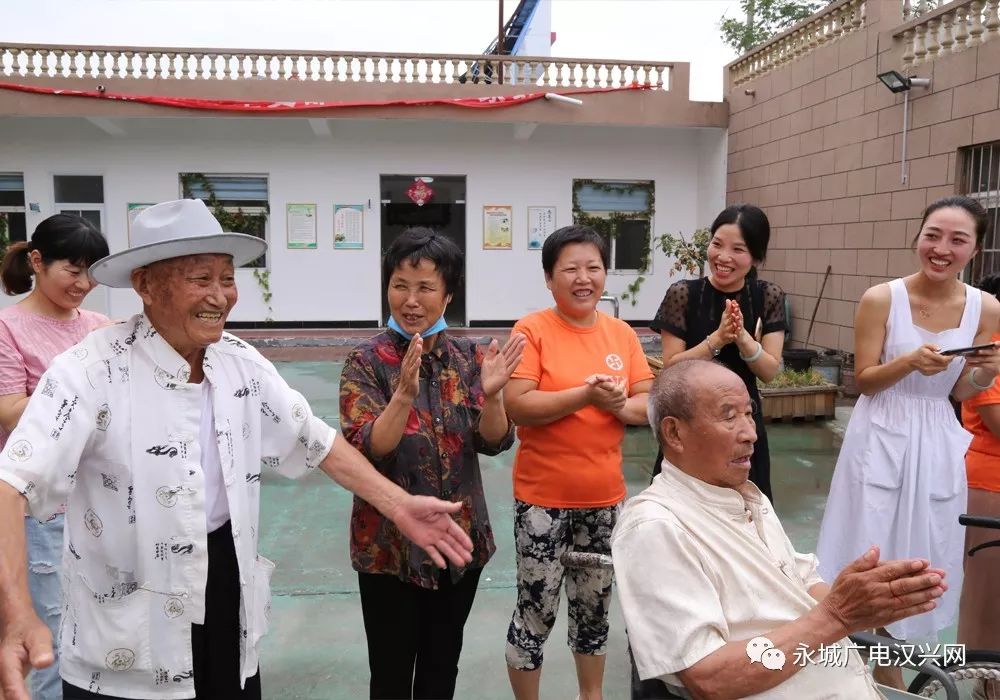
(818, 146)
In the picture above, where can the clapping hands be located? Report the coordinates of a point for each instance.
(409, 371)
(871, 593)
(607, 392)
(498, 365)
(730, 325)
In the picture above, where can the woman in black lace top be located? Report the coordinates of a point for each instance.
(730, 316)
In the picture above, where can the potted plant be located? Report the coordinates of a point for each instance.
(830, 364)
(689, 257)
(798, 394)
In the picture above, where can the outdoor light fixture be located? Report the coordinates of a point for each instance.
(897, 83)
(901, 83)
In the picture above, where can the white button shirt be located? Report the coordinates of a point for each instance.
(113, 431)
(698, 566)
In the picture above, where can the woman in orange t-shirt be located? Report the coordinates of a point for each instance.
(583, 377)
(978, 608)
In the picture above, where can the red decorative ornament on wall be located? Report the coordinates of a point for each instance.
(419, 192)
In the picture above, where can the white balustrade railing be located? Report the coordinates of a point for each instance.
(948, 28)
(19, 60)
(827, 25)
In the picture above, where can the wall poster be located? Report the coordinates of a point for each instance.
(498, 227)
(541, 222)
(348, 227)
(301, 222)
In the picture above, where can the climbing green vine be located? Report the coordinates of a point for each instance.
(233, 220)
(263, 277)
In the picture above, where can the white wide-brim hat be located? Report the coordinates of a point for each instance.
(173, 230)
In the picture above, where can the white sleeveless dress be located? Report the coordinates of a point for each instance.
(900, 477)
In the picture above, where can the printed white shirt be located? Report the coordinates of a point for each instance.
(113, 432)
(698, 566)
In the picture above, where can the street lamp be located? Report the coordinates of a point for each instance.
(896, 82)
(902, 83)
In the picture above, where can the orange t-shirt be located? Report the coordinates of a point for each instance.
(982, 461)
(576, 461)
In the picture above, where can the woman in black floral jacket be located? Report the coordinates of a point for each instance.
(421, 405)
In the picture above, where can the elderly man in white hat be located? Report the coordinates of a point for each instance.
(154, 433)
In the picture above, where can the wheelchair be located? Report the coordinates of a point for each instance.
(935, 678)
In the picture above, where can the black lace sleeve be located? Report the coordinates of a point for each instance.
(773, 317)
(672, 314)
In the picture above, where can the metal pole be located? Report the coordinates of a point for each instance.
(614, 301)
(906, 122)
(500, 45)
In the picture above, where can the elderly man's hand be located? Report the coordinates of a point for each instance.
(871, 594)
(26, 644)
(427, 522)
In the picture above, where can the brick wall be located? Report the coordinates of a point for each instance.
(818, 146)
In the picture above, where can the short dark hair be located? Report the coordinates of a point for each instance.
(753, 226)
(418, 243)
(971, 207)
(990, 284)
(59, 237)
(560, 238)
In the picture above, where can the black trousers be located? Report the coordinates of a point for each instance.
(415, 634)
(215, 645)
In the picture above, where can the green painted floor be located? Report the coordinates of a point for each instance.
(316, 647)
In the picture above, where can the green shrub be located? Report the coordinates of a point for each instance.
(791, 379)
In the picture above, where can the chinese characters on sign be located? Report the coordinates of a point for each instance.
(541, 222)
(301, 226)
(348, 226)
(909, 654)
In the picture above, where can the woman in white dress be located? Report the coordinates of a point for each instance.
(900, 477)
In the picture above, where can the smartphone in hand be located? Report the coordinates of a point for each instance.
(972, 350)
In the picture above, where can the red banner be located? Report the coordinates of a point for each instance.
(493, 102)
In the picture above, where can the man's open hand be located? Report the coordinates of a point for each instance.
(427, 522)
(26, 644)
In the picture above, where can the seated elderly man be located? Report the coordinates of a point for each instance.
(154, 433)
(705, 570)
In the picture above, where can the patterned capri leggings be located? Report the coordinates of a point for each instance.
(541, 536)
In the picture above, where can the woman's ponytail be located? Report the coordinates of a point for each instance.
(15, 271)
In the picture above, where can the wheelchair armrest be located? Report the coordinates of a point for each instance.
(979, 521)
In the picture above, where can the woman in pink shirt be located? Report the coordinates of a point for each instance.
(45, 323)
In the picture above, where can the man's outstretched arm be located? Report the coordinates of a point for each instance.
(424, 520)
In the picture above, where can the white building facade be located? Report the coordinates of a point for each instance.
(521, 157)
